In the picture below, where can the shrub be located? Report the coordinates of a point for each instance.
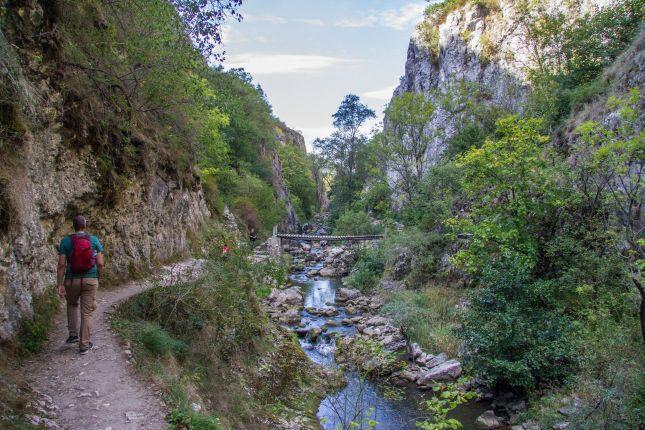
(427, 317)
(34, 329)
(355, 223)
(514, 331)
(368, 269)
(158, 341)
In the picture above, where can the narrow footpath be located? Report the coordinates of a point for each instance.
(100, 390)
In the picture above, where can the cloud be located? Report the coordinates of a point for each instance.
(312, 133)
(380, 94)
(273, 19)
(310, 21)
(397, 19)
(271, 64)
(403, 18)
(365, 21)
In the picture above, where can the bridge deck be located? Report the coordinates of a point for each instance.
(313, 238)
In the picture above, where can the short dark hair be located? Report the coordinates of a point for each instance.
(79, 222)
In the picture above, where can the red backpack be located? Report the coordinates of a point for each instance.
(83, 257)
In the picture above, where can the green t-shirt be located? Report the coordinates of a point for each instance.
(66, 250)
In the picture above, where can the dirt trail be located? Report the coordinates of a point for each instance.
(99, 390)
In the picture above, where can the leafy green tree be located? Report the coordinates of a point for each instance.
(515, 192)
(355, 222)
(345, 153)
(515, 330)
(407, 139)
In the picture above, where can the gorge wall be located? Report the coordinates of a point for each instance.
(479, 51)
(66, 147)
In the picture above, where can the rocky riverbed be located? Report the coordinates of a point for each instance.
(335, 324)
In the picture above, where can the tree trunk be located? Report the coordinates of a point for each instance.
(641, 290)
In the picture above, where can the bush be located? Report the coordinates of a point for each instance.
(355, 223)
(34, 329)
(515, 333)
(158, 341)
(368, 269)
(427, 317)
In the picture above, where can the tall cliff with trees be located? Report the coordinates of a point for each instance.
(111, 109)
(509, 174)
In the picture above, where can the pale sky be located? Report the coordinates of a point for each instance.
(307, 55)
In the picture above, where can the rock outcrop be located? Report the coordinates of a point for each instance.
(473, 51)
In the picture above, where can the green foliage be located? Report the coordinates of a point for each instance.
(446, 399)
(158, 341)
(406, 139)
(255, 203)
(520, 334)
(346, 152)
(34, 329)
(296, 170)
(355, 223)
(370, 357)
(428, 317)
(514, 188)
(192, 421)
(572, 55)
(368, 269)
(438, 194)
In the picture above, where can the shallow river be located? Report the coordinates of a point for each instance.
(361, 401)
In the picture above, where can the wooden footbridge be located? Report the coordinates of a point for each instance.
(327, 238)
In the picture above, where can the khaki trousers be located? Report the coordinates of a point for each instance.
(83, 290)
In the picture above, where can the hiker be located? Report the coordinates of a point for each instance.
(80, 265)
(253, 236)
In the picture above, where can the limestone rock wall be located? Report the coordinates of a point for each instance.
(45, 180)
(487, 49)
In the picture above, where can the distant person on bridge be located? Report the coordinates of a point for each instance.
(80, 265)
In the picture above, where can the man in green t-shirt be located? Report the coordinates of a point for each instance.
(84, 251)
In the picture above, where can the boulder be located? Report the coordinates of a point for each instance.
(431, 361)
(415, 351)
(328, 272)
(377, 321)
(346, 294)
(290, 317)
(289, 297)
(448, 371)
(488, 421)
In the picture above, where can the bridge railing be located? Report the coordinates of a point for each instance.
(329, 238)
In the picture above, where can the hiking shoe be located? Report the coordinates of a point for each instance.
(84, 351)
(72, 339)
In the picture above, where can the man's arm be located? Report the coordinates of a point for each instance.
(99, 264)
(60, 275)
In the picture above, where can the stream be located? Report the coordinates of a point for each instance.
(361, 400)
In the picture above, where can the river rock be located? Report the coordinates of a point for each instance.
(346, 294)
(305, 246)
(335, 252)
(415, 351)
(289, 297)
(314, 333)
(488, 421)
(431, 361)
(377, 321)
(448, 371)
(327, 272)
(290, 317)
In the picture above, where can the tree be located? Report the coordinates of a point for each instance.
(407, 139)
(203, 22)
(611, 168)
(343, 150)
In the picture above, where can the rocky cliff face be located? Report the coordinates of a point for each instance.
(473, 49)
(52, 168)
